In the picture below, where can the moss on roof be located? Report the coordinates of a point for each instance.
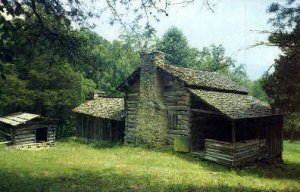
(107, 108)
(193, 78)
(234, 106)
(202, 79)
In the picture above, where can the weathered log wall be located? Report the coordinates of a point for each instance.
(230, 154)
(6, 132)
(131, 105)
(51, 133)
(24, 136)
(157, 106)
(177, 102)
(26, 133)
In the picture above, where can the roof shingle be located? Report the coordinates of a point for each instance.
(107, 108)
(203, 79)
(234, 106)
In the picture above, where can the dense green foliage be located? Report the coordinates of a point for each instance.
(51, 76)
(49, 67)
(177, 51)
(283, 85)
(71, 166)
(38, 73)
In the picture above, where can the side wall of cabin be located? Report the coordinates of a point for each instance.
(173, 103)
(178, 108)
(6, 132)
(91, 128)
(26, 133)
(131, 104)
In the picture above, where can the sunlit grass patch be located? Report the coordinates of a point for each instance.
(75, 166)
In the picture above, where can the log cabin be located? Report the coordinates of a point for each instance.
(101, 118)
(27, 129)
(201, 112)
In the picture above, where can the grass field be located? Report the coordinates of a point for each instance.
(72, 166)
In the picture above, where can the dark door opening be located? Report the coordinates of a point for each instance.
(41, 135)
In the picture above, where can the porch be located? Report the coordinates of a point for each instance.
(236, 142)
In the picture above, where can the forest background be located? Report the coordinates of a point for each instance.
(51, 60)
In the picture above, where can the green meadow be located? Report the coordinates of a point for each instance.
(73, 166)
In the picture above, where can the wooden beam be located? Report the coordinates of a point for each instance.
(81, 130)
(205, 111)
(233, 134)
(110, 134)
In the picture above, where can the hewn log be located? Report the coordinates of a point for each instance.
(204, 111)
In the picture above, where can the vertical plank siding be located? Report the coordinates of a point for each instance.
(91, 128)
(275, 136)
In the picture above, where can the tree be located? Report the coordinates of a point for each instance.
(108, 64)
(283, 85)
(139, 39)
(177, 51)
(213, 58)
(39, 74)
(54, 19)
(256, 90)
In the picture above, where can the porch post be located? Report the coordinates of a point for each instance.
(233, 136)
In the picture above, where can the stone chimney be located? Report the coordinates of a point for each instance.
(97, 94)
(149, 80)
(151, 113)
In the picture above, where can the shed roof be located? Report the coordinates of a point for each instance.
(103, 107)
(234, 106)
(16, 119)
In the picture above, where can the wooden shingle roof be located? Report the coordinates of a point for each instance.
(103, 107)
(202, 79)
(194, 79)
(234, 106)
(16, 119)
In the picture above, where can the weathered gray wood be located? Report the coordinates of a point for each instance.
(231, 154)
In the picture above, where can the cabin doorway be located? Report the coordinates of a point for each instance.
(41, 135)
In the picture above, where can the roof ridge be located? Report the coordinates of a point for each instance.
(182, 67)
(203, 79)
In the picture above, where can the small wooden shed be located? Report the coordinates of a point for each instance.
(101, 118)
(26, 128)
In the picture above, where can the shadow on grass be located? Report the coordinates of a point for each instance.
(106, 180)
(288, 170)
(94, 144)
